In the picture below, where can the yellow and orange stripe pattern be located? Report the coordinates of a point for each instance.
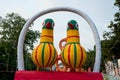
(73, 55)
(44, 55)
(47, 35)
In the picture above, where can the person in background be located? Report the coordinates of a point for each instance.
(115, 65)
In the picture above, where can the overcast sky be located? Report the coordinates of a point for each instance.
(100, 11)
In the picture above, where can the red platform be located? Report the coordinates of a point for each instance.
(37, 75)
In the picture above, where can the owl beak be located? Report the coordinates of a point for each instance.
(71, 26)
(48, 25)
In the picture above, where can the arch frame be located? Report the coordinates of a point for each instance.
(20, 59)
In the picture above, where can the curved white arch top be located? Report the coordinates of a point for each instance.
(80, 13)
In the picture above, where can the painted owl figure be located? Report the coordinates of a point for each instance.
(45, 54)
(73, 54)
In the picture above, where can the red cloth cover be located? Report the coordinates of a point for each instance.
(38, 75)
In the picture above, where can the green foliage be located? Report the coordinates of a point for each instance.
(105, 44)
(117, 3)
(112, 38)
(111, 43)
(5, 50)
(90, 59)
(10, 28)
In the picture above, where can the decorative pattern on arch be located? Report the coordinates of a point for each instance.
(20, 59)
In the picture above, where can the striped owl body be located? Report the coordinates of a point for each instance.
(73, 54)
(44, 55)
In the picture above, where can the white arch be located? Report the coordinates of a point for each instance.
(30, 21)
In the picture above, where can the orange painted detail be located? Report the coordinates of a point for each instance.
(72, 37)
(47, 36)
(69, 54)
(81, 56)
(50, 54)
(36, 56)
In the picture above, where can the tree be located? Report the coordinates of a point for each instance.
(10, 28)
(90, 60)
(112, 38)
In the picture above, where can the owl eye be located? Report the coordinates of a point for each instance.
(53, 24)
(43, 23)
(67, 27)
(76, 25)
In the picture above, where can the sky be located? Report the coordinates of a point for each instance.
(101, 13)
